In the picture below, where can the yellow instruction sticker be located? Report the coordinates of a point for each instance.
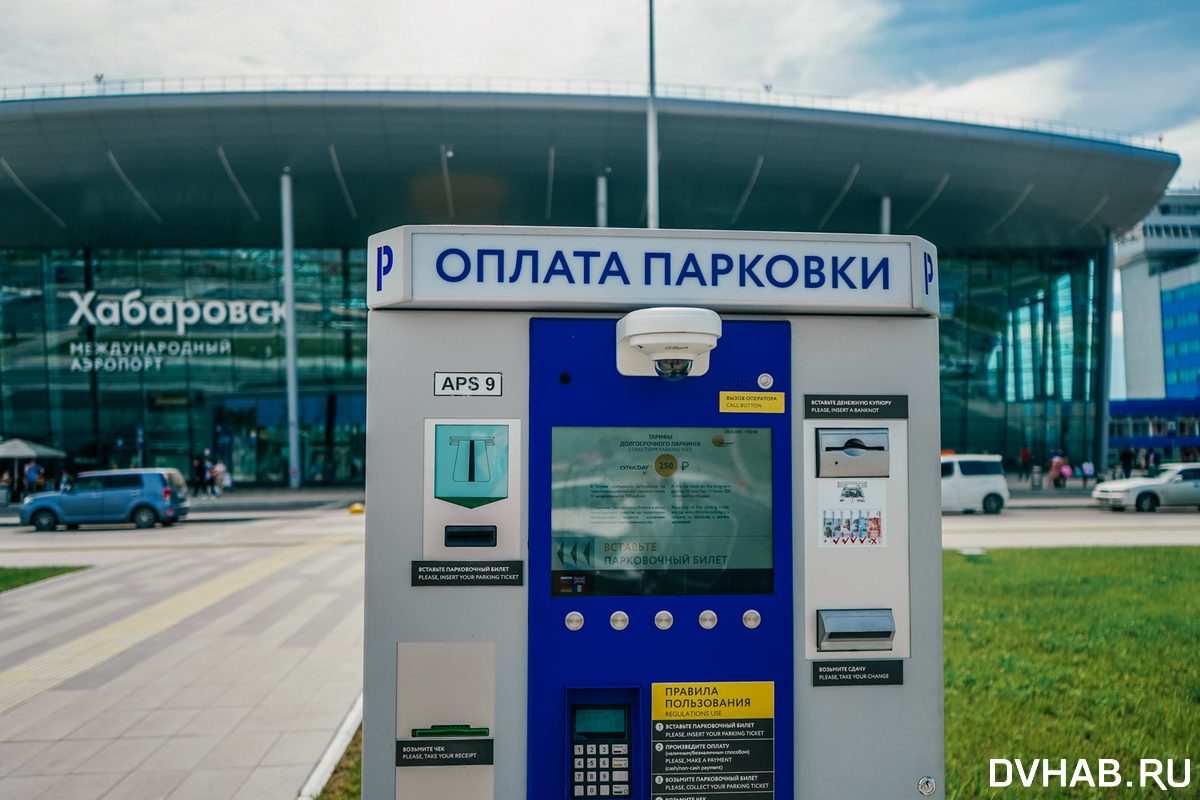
(752, 402)
(743, 700)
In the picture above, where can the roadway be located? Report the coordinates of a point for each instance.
(1070, 526)
(215, 659)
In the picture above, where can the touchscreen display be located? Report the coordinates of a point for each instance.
(661, 511)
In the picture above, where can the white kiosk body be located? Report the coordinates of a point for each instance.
(607, 559)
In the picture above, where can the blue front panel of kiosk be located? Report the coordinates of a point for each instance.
(645, 497)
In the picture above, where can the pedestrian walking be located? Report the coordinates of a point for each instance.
(1126, 459)
(33, 471)
(197, 477)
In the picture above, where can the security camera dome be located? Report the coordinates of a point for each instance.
(669, 338)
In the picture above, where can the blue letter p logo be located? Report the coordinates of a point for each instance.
(382, 268)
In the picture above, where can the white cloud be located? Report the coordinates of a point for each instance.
(804, 45)
(1041, 90)
(712, 42)
(1185, 140)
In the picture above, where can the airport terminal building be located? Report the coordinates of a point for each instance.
(141, 313)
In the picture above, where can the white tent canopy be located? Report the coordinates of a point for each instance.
(19, 448)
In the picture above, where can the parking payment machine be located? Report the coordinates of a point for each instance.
(652, 514)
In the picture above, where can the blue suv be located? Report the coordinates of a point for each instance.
(141, 496)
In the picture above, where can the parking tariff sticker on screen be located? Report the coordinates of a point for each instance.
(661, 511)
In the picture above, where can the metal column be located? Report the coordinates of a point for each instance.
(601, 201)
(1103, 381)
(289, 323)
(885, 214)
(651, 140)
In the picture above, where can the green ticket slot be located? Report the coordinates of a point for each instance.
(448, 730)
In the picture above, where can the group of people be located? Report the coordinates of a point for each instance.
(31, 478)
(210, 478)
(1147, 459)
(1059, 470)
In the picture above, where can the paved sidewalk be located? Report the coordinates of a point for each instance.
(235, 651)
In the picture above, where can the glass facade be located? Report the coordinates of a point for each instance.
(1020, 352)
(150, 357)
(126, 357)
(1181, 340)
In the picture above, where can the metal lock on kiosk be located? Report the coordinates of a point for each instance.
(653, 531)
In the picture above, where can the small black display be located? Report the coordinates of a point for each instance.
(601, 723)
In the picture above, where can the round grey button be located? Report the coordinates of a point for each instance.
(708, 619)
(574, 620)
(619, 620)
(663, 620)
(927, 785)
(751, 619)
(765, 381)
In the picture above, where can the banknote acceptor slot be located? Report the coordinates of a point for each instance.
(852, 453)
(855, 629)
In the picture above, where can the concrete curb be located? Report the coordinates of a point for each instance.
(333, 753)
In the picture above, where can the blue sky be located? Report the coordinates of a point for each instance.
(1122, 65)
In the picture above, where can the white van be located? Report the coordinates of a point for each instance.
(970, 483)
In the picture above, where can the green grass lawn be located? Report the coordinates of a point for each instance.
(346, 781)
(1072, 653)
(12, 577)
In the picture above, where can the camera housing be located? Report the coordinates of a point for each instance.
(670, 342)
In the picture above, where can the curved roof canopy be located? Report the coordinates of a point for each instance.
(202, 170)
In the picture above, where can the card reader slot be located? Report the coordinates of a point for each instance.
(470, 536)
(448, 730)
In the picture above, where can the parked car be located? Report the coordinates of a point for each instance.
(970, 483)
(141, 496)
(1169, 485)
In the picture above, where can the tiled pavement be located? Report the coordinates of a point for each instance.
(237, 700)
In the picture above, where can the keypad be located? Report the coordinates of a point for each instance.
(601, 770)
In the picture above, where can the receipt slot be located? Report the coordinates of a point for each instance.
(651, 514)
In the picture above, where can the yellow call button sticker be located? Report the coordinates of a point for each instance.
(752, 402)
(743, 700)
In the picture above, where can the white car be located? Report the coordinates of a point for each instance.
(970, 483)
(1169, 485)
